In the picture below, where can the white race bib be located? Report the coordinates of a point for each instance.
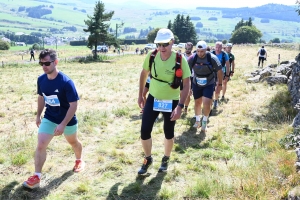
(201, 81)
(162, 105)
(51, 100)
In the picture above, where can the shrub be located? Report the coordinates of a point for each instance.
(4, 45)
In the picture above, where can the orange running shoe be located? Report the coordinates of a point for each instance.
(32, 182)
(79, 166)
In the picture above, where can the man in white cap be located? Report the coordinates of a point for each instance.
(205, 65)
(162, 97)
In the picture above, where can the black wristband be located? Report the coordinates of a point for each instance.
(219, 84)
(181, 105)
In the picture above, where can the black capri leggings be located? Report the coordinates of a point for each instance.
(149, 117)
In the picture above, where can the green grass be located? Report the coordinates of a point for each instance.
(233, 161)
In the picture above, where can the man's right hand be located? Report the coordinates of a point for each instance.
(38, 121)
(141, 102)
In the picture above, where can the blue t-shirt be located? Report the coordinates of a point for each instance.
(220, 59)
(57, 94)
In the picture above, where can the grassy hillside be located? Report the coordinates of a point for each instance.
(240, 157)
(135, 15)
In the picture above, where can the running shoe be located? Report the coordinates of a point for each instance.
(32, 182)
(197, 124)
(146, 165)
(215, 106)
(164, 164)
(79, 166)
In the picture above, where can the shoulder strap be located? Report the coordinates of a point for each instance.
(195, 56)
(214, 52)
(223, 59)
(208, 57)
(178, 61)
(151, 60)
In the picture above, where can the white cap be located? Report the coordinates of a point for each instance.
(164, 35)
(201, 45)
(229, 45)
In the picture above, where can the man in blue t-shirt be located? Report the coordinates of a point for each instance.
(224, 59)
(58, 94)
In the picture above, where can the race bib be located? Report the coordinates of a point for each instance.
(162, 105)
(201, 81)
(148, 79)
(51, 100)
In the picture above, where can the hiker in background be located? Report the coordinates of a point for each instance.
(57, 92)
(231, 66)
(262, 55)
(224, 60)
(164, 95)
(187, 54)
(205, 65)
(32, 54)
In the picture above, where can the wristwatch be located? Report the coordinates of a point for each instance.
(219, 84)
(181, 105)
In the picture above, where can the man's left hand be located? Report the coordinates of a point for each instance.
(176, 113)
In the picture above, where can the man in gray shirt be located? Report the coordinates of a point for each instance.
(205, 65)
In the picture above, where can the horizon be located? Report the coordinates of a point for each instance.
(168, 4)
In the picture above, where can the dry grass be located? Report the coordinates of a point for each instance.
(230, 163)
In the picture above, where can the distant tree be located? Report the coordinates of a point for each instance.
(298, 4)
(275, 40)
(129, 30)
(169, 25)
(183, 29)
(21, 8)
(4, 45)
(98, 28)
(199, 25)
(224, 41)
(51, 6)
(246, 34)
(74, 8)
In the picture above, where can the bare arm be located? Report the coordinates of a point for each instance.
(232, 66)
(40, 108)
(227, 68)
(143, 78)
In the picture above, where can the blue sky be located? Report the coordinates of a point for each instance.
(196, 3)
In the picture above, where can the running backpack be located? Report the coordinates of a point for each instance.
(209, 76)
(230, 59)
(178, 71)
(262, 52)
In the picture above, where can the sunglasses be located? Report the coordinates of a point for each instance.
(189, 49)
(46, 63)
(163, 44)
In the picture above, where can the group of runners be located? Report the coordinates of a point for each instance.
(170, 78)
